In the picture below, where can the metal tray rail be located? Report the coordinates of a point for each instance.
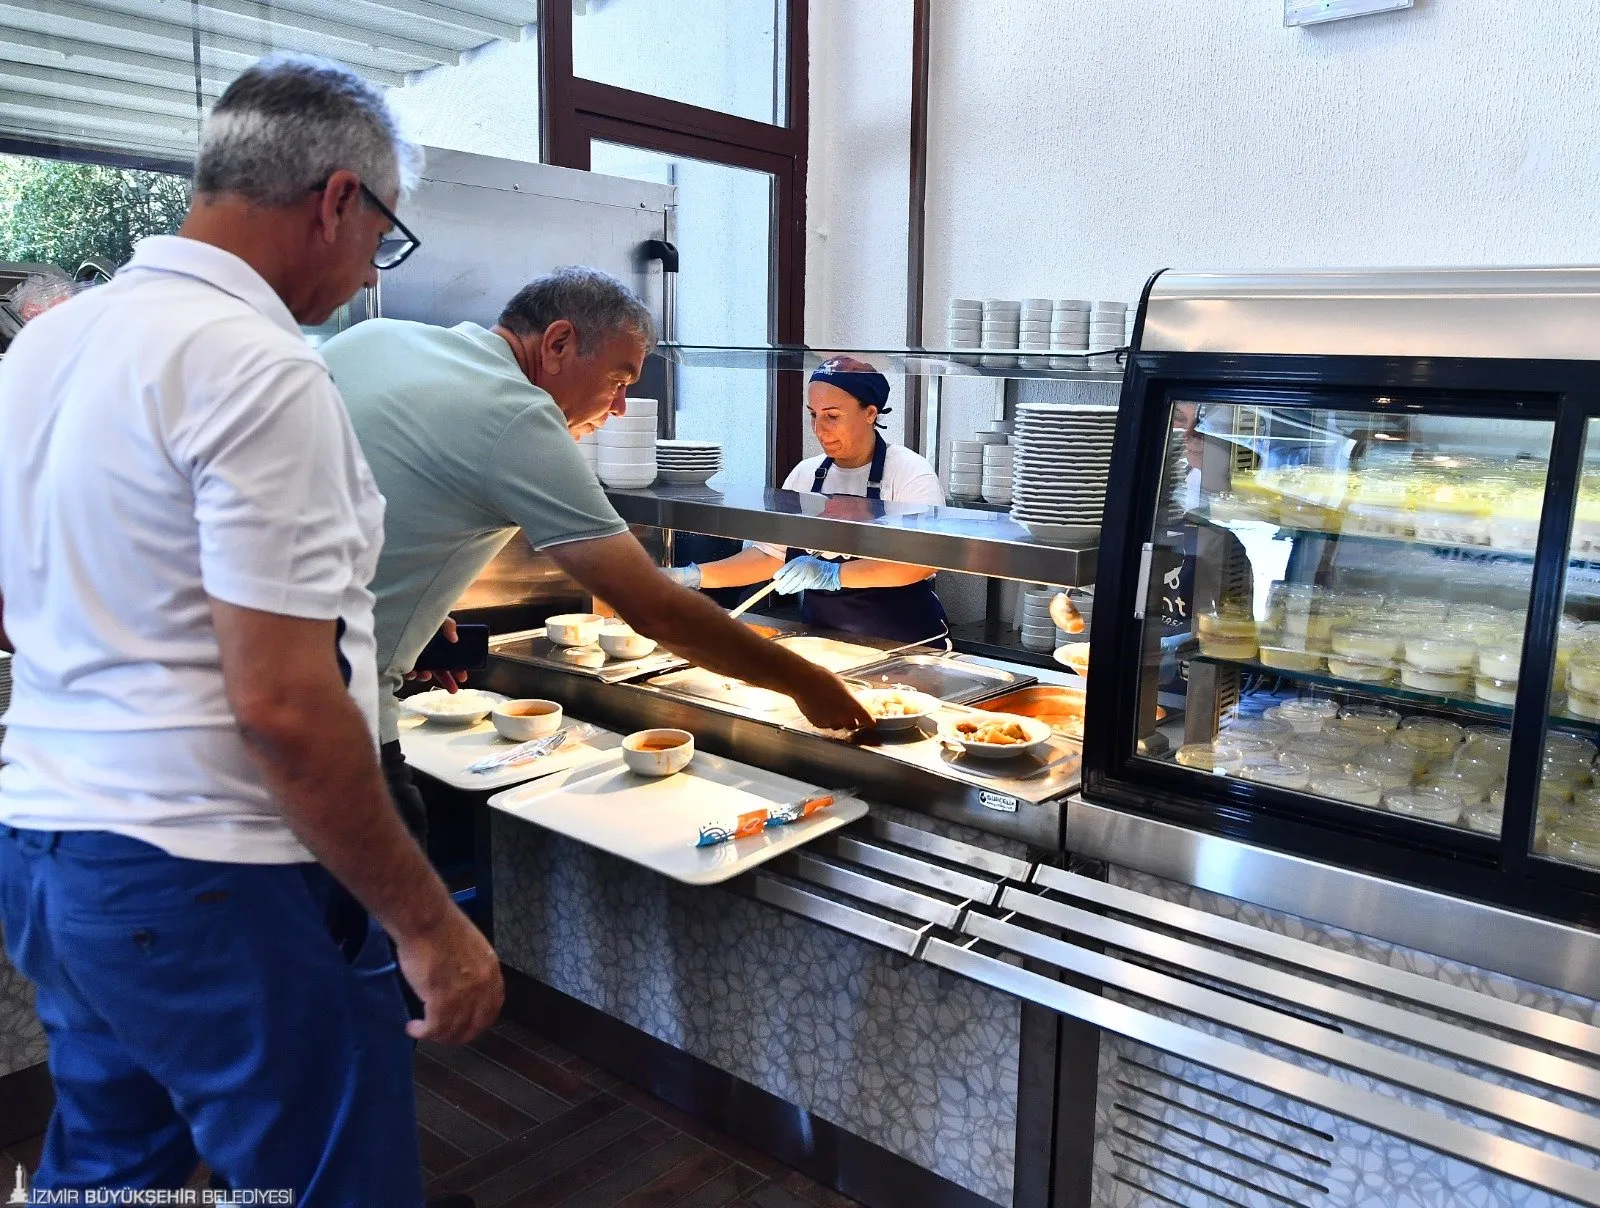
(1016, 926)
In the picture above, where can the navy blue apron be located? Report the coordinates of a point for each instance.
(900, 614)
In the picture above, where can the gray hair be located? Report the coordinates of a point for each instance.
(596, 304)
(291, 121)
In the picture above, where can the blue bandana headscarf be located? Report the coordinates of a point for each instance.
(857, 379)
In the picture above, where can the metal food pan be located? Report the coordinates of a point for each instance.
(1061, 708)
(951, 680)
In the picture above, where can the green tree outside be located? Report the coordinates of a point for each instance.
(62, 213)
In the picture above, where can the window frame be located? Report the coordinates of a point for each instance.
(576, 110)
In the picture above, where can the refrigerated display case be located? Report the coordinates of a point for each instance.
(1371, 585)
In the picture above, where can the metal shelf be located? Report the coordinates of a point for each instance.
(1103, 367)
(959, 539)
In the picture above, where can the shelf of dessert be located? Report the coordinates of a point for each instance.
(1474, 505)
(1424, 652)
(1348, 748)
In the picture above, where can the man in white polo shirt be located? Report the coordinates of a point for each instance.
(187, 531)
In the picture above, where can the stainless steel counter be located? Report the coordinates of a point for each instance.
(982, 543)
(1019, 799)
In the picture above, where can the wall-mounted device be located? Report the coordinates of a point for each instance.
(1314, 12)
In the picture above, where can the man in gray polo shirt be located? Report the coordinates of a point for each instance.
(469, 432)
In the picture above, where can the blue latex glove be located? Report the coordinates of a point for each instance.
(684, 576)
(807, 574)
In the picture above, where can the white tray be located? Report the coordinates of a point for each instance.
(444, 752)
(655, 822)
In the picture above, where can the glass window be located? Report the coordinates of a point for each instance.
(724, 238)
(1337, 602)
(1568, 824)
(59, 213)
(727, 55)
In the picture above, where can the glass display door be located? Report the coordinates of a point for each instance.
(1337, 604)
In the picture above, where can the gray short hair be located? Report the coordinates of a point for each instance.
(595, 303)
(291, 121)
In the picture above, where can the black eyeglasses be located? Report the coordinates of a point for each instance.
(394, 247)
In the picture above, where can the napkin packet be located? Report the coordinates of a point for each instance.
(753, 822)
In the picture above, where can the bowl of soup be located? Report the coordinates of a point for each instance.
(658, 752)
(521, 720)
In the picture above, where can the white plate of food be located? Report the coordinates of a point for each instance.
(467, 707)
(897, 708)
(998, 735)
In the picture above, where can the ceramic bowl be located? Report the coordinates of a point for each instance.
(521, 720)
(464, 708)
(658, 752)
(570, 629)
(621, 642)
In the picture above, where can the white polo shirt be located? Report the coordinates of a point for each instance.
(170, 437)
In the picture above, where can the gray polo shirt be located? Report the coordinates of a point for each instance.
(465, 450)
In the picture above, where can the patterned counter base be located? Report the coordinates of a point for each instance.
(901, 1054)
(1173, 1133)
(22, 1040)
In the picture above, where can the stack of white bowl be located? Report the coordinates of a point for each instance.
(628, 446)
(1038, 630)
(966, 468)
(1033, 333)
(1127, 335)
(688, 463)
(966, 324)
(1002, 330)
(589, 446)
(1069, 325)
(997, 473)
(995, 432)
(1108, 326)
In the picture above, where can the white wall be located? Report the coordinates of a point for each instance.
(1076, 148)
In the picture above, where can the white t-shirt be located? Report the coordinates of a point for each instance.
(907, 478)
(170, 437)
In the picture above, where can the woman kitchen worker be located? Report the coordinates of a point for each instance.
(850, 595)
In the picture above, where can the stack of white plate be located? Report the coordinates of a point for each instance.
(1038, 630)
(997, 473)
(688, 463)
(966, 323)
(966, 468)
(1108, 326)
(589, 446)
(1033, 333)
(628, 446)
(1061, 466)
(1002, 329)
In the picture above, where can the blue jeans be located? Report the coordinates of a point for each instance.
(199, 1010)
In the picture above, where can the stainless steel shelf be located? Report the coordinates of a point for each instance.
(1104, 367)
(980, 543)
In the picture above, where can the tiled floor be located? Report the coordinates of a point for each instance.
(516, 1122)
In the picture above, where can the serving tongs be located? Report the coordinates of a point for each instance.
(538, 748)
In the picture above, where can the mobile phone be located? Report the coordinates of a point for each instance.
(469, 652)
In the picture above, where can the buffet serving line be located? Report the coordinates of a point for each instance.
(950, 977)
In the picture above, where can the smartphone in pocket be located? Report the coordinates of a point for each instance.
(469, 652)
